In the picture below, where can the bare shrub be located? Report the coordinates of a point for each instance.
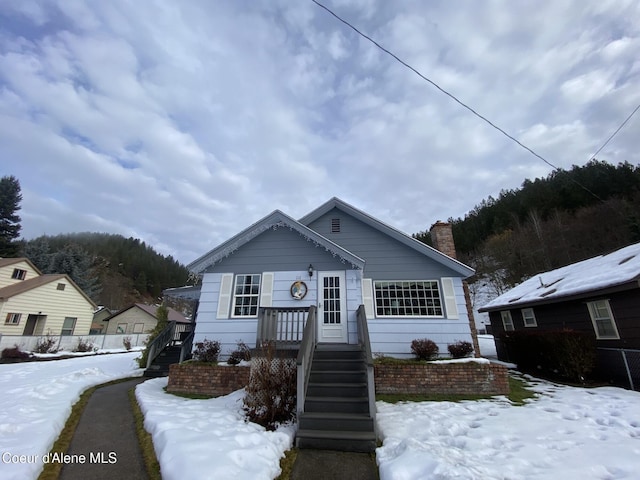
(126, 342)
(15, 353)
(271, 393)
(46, 345)
(460, 349)
(207, 351)
(84, 346)
(424, 349)
(241, 353)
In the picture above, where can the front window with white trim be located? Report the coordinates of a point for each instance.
(507, 321)
(529, 317)
(603, 321)
(415, 298)
(13, 318)
(246, 295)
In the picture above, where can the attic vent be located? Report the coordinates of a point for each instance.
(514, 299)
(626, 260)
(335, 225)
(553, 290)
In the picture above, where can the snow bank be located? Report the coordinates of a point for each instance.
(36, 401)
(209, 439)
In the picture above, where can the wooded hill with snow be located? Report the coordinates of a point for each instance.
(550, 222)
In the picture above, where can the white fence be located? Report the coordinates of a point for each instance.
(69, 343)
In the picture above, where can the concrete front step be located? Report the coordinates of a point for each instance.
(337, 404)
(348, 441)
(357, 422)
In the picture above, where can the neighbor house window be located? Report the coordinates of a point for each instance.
(138, 327)
(246, 295)
(418, 298)
(68, 325)
(19, 274)
(603, 321)
(121, 328)
(507, 321)
(529, 317)
(13, 318)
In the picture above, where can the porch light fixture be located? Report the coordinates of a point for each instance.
(310, 270)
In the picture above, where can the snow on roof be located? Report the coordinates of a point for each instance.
(604, 271)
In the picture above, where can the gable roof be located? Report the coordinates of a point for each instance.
(173, 315)
(35, 282)
(617, 269)
(392, 232)
(5, 262)
(274, 220)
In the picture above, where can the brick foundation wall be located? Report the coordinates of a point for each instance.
(470, 378)
(442, 378)
(201, 379)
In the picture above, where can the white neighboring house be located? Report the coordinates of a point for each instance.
(336, 258)
(35, 304)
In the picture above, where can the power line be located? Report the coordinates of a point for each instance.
(450, 95)
(454, 98)
(616, 132)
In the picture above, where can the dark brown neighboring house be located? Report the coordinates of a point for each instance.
(600, 295)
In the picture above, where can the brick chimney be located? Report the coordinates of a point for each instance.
(442, 238)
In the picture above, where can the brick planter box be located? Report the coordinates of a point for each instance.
(467, 378)
(204, 379)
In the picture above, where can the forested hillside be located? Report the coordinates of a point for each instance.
(550, 222)
(113, 270)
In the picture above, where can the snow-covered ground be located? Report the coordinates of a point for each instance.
(565, 432)
(209, 439)
(36, 400)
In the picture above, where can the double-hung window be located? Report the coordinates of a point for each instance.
(507, 321)
(68, 325)
(529, 317)
(415, 298)
(603, 321)
(246, 295)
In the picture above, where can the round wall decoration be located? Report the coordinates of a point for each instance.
(298, 290)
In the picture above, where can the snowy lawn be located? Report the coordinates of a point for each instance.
(36, 400)
(566, 432)
(209, 439)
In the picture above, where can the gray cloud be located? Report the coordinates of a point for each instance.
(182, 123)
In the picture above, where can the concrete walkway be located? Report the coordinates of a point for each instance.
(106, 435)
(330, 465)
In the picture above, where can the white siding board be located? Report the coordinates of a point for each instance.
(55, 304)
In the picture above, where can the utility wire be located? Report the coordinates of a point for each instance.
(454, 98)
(615, 133)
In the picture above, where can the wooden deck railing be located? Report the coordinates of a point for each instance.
(305, 357)
(363, 339)
(282, 325)
(160, 342)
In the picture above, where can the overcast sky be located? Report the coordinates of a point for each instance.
(181, 123)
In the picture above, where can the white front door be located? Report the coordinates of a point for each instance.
(332, 307)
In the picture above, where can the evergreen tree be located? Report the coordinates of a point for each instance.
(10, 198)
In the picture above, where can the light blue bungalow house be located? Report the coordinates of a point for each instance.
(333, 288)
(260, 284)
